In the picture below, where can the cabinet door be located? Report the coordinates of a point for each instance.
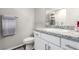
(53, 47)
(53, 39)
(40, 44)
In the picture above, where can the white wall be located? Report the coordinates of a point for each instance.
(40, 17)
(24, 26)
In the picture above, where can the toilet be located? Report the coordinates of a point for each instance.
(29, 43)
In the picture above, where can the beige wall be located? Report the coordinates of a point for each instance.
(24, 26)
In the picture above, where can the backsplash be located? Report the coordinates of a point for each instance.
(64, 27)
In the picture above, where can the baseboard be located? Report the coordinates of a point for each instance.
(16, 47)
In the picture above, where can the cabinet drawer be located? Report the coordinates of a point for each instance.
(53, 47)
(51, 38)
(69, 45)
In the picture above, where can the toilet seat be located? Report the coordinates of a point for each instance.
(28, 40)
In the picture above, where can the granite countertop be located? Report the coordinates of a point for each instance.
(62, 33)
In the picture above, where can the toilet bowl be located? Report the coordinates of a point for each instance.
(29, 43)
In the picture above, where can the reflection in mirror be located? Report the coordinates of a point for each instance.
(52, 15)
(56, 17)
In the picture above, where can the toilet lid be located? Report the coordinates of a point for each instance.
(29, 39)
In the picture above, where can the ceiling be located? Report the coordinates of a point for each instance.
(49, 10)
(53, 9)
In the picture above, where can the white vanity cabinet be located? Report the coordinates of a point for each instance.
(44, 41)
(56, 39)
(69, 44)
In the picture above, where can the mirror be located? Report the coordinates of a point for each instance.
(55, 16)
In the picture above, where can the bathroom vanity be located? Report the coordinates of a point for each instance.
(56, 39)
